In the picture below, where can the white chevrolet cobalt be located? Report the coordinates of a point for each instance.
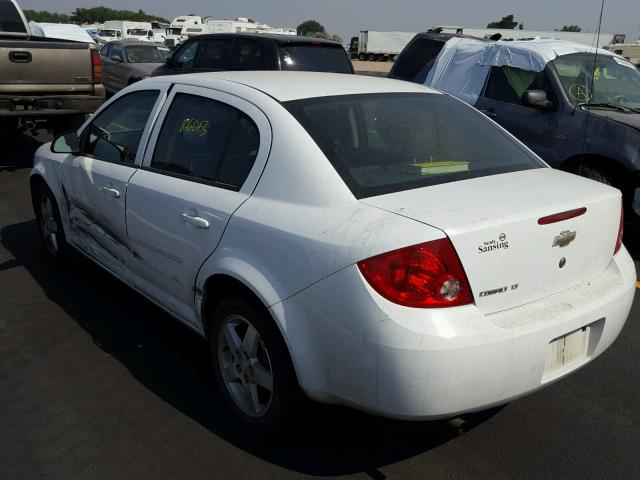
(368, 242)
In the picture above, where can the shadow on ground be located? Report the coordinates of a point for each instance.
(173, 363)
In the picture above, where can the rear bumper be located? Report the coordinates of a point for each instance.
(50, 105)
(351, 346)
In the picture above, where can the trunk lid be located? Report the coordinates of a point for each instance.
(509, 258)
(45, 61)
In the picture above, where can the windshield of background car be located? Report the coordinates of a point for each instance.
(144, 54)
(314, 58)
(107, 33)
(10, 20)
(611, 80)
(385, 143)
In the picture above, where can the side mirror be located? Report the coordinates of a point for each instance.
(169, 62)
(116, 58)
(537, 99)
(66, 143)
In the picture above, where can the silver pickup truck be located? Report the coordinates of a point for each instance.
(44, 82)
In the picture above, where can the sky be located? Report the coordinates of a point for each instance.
(348, 17)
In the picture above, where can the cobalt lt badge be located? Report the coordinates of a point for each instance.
(564, 239)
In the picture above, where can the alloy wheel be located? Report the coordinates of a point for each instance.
(245, 365)
(49, 225)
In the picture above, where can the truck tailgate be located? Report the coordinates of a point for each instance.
(42, 61)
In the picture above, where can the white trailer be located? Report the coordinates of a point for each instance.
(379, 46)
(129, 30)
(582, 38)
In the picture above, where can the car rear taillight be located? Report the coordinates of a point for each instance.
(428, 275)
(96, 64)
(620, 230)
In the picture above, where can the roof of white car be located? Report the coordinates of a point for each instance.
(285, 86)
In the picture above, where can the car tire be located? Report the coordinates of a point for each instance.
(372, 57)
(49, 221)
(249, 355)
(362, 57)
(597, 174)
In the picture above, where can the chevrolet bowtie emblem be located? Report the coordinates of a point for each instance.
(564, 239)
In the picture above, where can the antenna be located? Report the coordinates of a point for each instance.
(591, 89)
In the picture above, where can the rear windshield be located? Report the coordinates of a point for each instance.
(10, 20)
(314, 58)
(385, 143)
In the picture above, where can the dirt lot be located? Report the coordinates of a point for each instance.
(372, 68)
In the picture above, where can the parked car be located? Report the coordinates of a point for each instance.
(44, 82)
(377, 243)
(540, 90)
(245, 51)
(128, 61)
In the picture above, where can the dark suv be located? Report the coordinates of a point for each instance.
(242, 51)
(580, 113)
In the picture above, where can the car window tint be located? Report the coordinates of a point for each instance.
(114, 134)
(186, 56)
(314, 58)
(213, 54)
(249, 55)
(240, 152)
(10, 20)
(105, 51)
(420, 53)
(384, 143)
(508, 84)
(206, 140)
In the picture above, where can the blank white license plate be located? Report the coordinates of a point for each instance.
(566, 350)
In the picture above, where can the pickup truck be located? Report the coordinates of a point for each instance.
(44, 82)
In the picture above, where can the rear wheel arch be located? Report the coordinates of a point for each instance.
(607, 166)
(220, 286)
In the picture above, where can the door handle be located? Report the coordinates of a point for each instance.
(490, 113)
(111, 191)
(195, 221)
(20, 57)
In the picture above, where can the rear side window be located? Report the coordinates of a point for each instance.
(384, 143)
(248, 55)
(213, 54)
(10, 19)
(206, 140)
(314, 58)
(418, 55)
(508, 84)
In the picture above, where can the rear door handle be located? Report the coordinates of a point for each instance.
(490, 113)
(195, 221)
(20, 57)
(111, 191)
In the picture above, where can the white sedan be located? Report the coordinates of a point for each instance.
(368, 242)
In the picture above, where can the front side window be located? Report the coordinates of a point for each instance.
(116, 50)
(186, 56)
(314, 58)
(385, 143)
(114, 134)
(508, 84)
(105, 51)
(206, 140)
(609, 80)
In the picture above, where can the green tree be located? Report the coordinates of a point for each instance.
(46, 17)
(506, 22)
(571, 28)
(309, 27)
